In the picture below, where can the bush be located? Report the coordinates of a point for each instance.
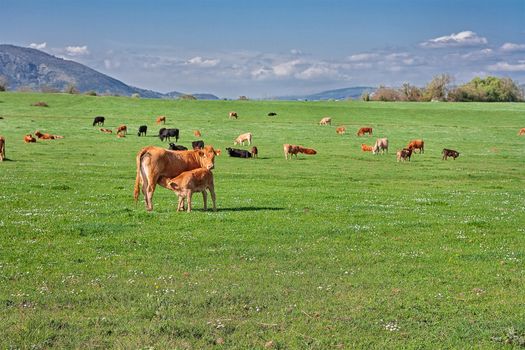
(91, 93)
(40, 104)
(71, 89)
(187, 97)
(3, 83)
(135, 95)
(387, 94)
(489, 89)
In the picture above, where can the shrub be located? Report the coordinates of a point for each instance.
(91, 93)
(187, 97)
(135, 95)
(71, 89)
(386, 94)
(3, 83)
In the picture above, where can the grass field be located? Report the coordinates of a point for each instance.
(343, 249)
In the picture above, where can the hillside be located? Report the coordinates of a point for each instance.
(338, 94)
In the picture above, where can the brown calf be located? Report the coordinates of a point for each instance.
(233, 115)
(404, 154)
(197, 133)
(417, 144)
(522, 132)
(122, 129)
(340, 130)
(29, 138)
(290, 150)
(197, 180)
(2, 148)
(47, 136)
(161, 119)
(107, 131)
(325, 121)
(363, 131)
(449, 153)
(255, 152)
(366, 148)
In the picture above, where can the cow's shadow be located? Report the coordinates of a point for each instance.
(241, 209)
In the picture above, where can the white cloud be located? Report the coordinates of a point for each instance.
(363, 57)
(38, 46)
(77, 50)
(317, 71)
(111, 64)
(465, 38)
(508, 67)
(201, 62)
(286, 68)
(475, 55)
(512, 47)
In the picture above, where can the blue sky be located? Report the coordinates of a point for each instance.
(268, 48)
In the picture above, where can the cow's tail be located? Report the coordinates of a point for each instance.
(138, 178)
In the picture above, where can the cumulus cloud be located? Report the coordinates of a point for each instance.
(510, 47)
(363, 57)
(318, 71)
(77, 50)
(285, 69)
(202, 62)
(465, 38)
(507, 67)
(38, 46)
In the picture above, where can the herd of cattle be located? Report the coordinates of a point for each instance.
(188, 171)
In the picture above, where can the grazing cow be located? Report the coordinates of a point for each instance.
(238, 153)
(243, 137)
(366, 148)
(233, 115)
(99, 121)
(161, 119)
(2, 148)
(449, 153)
(107, 131)
(157, 165)
(522, 132)
(122, 129)
(340, 130)
(255, 152)
(142, 130)
(29, 138)
(196, 180)
(380, 145)
(197, 144)
(175, 147)
(325, 121)
(294, 149)
(404, 154)
(168, 134)
(416, 144)
(197, 133)
(120, 136)
(272, 114)
(47, 136)
(363, 131)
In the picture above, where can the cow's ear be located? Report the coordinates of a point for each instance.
(201, 153)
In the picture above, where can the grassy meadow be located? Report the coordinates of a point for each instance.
(340, 250)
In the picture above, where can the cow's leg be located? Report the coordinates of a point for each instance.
(212, 192)
(188, 198)
(205, 199)
(180, 205)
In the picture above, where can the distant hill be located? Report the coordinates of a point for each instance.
(339, 94)
(176, 94)
(30, 68)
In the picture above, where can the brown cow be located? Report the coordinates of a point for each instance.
(120, 136)
(122, 129)
(340, 130)
(294, 149)
(404, 154)
(243, 137)
(196, 180)
(522, 132)
(29, 138)
(380, 145)
(255, 152)
(449, 153)
(363, 131)
(156, 165)
(2, 148)
(161, 119)
(325, 121)
(197, 133)
(366, 148)
(107, 131)
(233, 115)
(417, 144)
(47, 136)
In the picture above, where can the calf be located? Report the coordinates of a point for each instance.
(294, 149)
(175, 147)
(197, 133)
(522, 132)
(29, 138)
(243, 137)
(272, 114)
(340, 130)
(255, 152)
(449, 153)
(161, 119)
(238, 153)
(196, 145)
(2, 148)
(325, 121)
(363, 131)
(417, 144)
(99, 121)
(380, 145)
(142, 130)
(233, 115)
(366, 148)
(168, 134)
(47, 136)
(197, 180)
(107, 131)
(404, 154)
(122, 129)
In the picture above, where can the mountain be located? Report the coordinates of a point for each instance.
(339, 94)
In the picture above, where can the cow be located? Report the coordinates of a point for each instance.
(380, 145)
(120, 136)
(417, 144)
(197, 133)
(156, 165)
(168, 134)
(238, 153)
(363, 131)
(366, 148)
(161, 119)
(175, 147)
(325, 121)
(142, 130)
(243, 137)
(107, 131)
(272, 114)
(29, 138)
(404, 154)
(2, 148)
(99, 120)
(522, 132)
(449, 153)
(294, 149)
(197, 144)
(196, 180)
(255, 152)
(122, 129)
(47, 136)
(340, 130)
(233, 115)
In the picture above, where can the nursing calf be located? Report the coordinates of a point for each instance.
(2, 148)
(197, 180)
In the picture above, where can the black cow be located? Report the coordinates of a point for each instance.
(168, 134)
(142, 130)
(175, 147)
(449, 153)
(239, 153)
(272, 114)
(99, 120)
(197, 144)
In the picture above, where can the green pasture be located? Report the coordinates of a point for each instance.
(341, 250)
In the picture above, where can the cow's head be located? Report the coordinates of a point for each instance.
(207, 157)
